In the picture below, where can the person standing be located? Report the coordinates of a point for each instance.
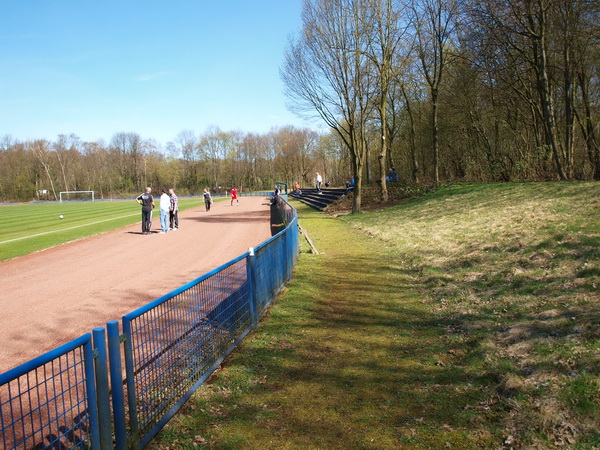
(234, 196)
(165, 207)
(147, 202)
(275, 195)
(207, 199)
(319, 181)
(173, 210)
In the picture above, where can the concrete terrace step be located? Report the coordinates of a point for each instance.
(320, 201)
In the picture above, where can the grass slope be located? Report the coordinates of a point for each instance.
(465, 318)
(27, 228)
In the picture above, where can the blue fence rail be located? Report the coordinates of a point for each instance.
(165, 351)
(51, 401)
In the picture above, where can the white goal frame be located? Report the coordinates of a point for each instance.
(76, 192)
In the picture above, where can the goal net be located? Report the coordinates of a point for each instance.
(76, 195)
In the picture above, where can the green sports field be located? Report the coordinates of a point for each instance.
(27, 228)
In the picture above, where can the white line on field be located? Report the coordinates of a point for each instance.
(66, 229)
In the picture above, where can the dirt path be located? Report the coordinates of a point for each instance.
(51, 297)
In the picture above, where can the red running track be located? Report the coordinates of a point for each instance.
(56, 295)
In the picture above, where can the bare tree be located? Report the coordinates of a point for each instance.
(435, 25)
(130, 147)
(252, 152)
(217, 148)
(67, 152)
(7, 142)
(185, 146)
(519, 32)
(412, 140)
(584, 18)
(327, 73)
(384, 23)
(331, 148)
(295, 153)
(100, 174)
(42, 151)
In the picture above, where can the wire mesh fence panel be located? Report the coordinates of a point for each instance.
(289, 215)
(287, 212)
(269, 270)
(292, 244)
(179, 340)
(49, 402)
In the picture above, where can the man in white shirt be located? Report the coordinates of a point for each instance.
(319, 181)
(165, 207)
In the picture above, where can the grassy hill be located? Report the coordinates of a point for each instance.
(468, 317)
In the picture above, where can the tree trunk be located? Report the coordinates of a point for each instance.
(357, 168)
(46, 168)
(569, 108)
(412, 139)
(367, 163)
(435, 136)
(383, 193)
(548, 116)
(62, 164)
(586, 124)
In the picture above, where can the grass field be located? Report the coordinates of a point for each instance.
(466, 318)
(27, 228)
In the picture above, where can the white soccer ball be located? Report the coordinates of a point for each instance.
(61, 216)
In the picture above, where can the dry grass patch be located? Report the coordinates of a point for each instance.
(516, 268)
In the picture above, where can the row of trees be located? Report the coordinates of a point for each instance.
(215, 159)
(453, 89)
(482, 90)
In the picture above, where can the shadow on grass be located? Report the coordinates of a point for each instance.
(362, 351)
(356, 365)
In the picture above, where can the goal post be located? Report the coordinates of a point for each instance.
(76, 192)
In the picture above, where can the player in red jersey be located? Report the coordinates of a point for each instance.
(234, 196)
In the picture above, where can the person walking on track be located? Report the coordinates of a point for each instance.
(207, 199)
(165, 205)
(147, 202)
(319, 181)
(234, 196)
(173, 211)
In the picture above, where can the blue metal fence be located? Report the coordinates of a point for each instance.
(50, 401)
(174, 343)
(168, 348)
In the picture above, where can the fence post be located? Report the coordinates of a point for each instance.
(102, 388)
(129, 378)
(88, 351)
(251, 275)
(296, 234)
(116, 382)
(281, 260)
(283, 256)
(288, 254)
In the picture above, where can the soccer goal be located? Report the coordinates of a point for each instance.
(67, 193)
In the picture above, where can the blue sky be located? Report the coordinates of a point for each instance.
(95, 68)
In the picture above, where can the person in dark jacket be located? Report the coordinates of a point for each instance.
(147, 202)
